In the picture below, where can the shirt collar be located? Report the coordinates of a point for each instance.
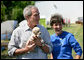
(60, 34)
(28, 28)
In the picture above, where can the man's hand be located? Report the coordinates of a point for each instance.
(30, 45)
(37, 41)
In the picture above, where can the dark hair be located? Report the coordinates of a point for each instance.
(55, 18)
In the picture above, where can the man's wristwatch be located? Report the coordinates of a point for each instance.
(43, 44)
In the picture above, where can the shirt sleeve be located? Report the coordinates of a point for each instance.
(47, 40)
(13, 44)
(75, 45)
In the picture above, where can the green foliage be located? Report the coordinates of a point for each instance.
(42, 22)
(3, 8)
(17, 14)
(13, 10)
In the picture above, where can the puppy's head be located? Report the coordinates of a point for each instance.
(36, 30)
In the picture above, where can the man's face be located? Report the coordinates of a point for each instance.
(34, 18)
(57, 27)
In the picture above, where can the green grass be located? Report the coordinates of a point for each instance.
(4, 55)
(76, 29)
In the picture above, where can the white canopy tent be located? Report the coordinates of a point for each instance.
(7, 28)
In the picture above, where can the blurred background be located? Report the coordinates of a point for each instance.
(12, 16)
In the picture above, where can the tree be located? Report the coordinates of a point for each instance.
(3, 8)
(13, 10)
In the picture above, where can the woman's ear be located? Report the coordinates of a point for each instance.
(52, 26)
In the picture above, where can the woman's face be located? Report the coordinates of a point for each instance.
(57, 27)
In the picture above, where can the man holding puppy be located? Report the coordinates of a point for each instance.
(21, 46)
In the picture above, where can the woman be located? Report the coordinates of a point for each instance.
(63, 41)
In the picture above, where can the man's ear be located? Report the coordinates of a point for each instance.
(27, 17)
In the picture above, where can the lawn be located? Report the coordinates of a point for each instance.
(76, 29)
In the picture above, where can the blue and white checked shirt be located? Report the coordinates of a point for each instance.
(20, 36)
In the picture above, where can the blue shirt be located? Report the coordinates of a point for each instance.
(63, 44)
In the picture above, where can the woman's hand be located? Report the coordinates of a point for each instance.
(77, 57)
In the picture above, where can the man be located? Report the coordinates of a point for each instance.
(23, 48)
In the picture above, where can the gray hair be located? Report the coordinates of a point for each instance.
(27, 10)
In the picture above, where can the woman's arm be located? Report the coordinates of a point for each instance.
(51, 56)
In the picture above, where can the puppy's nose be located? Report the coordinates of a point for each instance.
(35, 25)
